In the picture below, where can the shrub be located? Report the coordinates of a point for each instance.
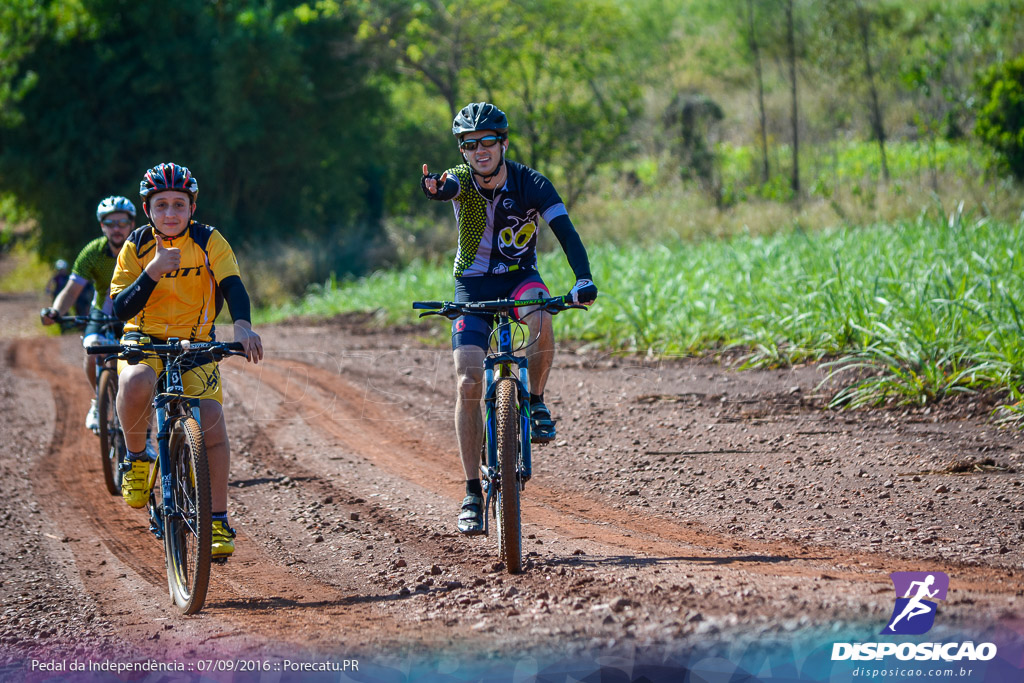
(1000, 121)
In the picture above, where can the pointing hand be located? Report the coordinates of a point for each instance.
(431, 183)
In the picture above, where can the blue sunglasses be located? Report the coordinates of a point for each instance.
(489, 141)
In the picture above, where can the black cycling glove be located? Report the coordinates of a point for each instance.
(444, 192)
(583, 292)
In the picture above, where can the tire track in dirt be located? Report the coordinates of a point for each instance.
(77, 462)
(284, 592)
(251, 596)
(338, 471)
(351, 417)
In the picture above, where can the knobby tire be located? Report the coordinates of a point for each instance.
(187, 537)
(112, 446)
(506, 410)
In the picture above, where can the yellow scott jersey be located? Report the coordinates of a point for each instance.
(184, 303)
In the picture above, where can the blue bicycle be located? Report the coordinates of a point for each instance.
(505, 463)
(181, 516)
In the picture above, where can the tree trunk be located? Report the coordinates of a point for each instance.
(762, 117)
(877, 123)
(791, 44)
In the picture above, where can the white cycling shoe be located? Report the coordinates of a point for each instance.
(92, 419)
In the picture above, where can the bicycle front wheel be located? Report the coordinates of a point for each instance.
(112, 447)
(187, 527)
(506, 411)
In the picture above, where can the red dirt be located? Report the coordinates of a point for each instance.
(682, 501)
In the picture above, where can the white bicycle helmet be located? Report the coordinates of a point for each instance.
(114, 204)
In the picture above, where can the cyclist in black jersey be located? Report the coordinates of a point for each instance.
(95, 266)
(498, 207)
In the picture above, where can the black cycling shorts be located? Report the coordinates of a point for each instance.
(475, 330)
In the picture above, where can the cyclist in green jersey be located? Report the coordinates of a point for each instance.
(95, 264)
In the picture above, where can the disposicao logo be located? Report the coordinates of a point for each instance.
(914, 612)
(913, 615)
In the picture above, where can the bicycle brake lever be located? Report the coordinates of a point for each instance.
(450, 313)
(133, 356)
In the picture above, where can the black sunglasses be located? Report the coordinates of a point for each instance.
(489, 141)
(121, 223)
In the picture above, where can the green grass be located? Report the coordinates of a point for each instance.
(907, 313)
(846, 167)
(24, 271)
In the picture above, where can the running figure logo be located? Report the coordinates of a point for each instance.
(914, 612)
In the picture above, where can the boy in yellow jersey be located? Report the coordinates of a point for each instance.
(169, 278)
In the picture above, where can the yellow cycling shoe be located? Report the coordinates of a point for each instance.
(135, 483)
(223, 540)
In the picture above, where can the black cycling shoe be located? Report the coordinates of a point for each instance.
(471, 522)
(542, 427)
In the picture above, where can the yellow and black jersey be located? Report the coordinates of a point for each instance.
(184, 302)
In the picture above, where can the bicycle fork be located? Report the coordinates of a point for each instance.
(167, 509)
(489, 468)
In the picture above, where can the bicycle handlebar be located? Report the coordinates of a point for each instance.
(455, 309)
(136, 352)
(78, 319)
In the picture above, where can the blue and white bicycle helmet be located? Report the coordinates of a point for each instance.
(114, 204)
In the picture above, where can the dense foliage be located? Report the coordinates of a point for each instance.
(309, 120)
(260, 102)
(1001, 113)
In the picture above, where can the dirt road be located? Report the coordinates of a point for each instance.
(683, 503)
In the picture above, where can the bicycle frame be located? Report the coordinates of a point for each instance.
(170, 405)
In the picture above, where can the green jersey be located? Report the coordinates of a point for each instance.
(95, 264)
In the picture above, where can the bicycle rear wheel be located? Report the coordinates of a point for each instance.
(506, 411)
(112, 447)
(187, 529)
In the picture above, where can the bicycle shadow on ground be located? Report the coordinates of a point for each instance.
(259, 481)
(271, 603)
(634, 561)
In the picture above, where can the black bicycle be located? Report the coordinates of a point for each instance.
(181, 515)
(505, 461)
(112, 447)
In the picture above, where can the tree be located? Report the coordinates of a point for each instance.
(791, 54)
(567, 78)
(557, 68)
(863, 19)
(436, 41)
(859, 45)
(259, 99)
(692, 119)
(750, 34)
(1000, 122)
(22, 24)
